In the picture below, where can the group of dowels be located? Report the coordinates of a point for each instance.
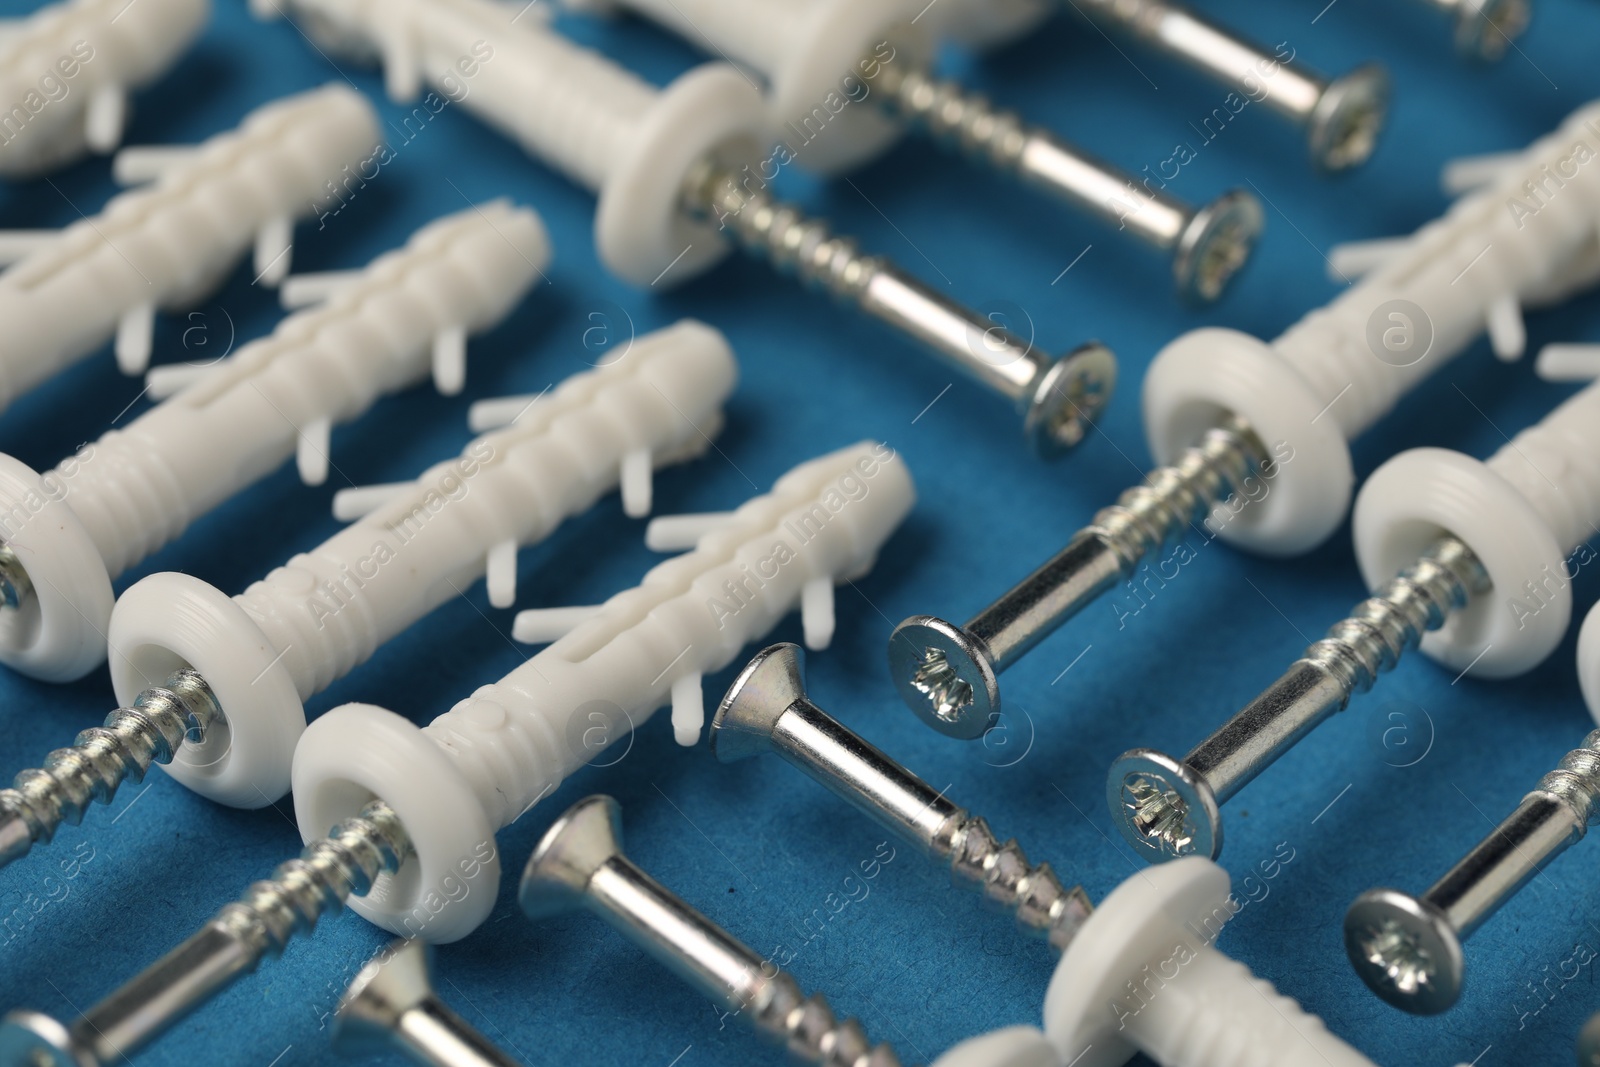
(1465, 558)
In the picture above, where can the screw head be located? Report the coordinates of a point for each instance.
(392, 983)
(33, 1039)
(1348, 118)
(556, 879)
(1068, 396)
(1589, 1042)
(1162, 807)
(1216, 244)
(1405, 950)
(1486, 29)
(943, 674)
(766, 688)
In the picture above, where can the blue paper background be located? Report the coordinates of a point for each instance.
(755, 845)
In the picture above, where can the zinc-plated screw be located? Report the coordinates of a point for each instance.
(766, 710)
(1408, 949)
(257, 925)
(151, 730)
(1486, 28)
(391, 1004)
(1342, 117)
(16, 588)
(1589, 1042)
(579, 863)
(948, 674)
(1167, 808)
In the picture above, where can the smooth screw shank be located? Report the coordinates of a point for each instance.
(101, 759)
(1342, 118)
(238, 938)
(766, 709)
(1168, 808)
(391, 1004)
(1059, 398)
(1207, 245)
(1408, 949)
(948, 674)
(579, 863)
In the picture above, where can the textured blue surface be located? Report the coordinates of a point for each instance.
(755, 845)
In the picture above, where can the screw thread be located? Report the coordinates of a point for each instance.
(812, 1033)
(1392, 621)
(1576, 779)
(1149, 515)
(1002, 873)
(955, 116)
(326, 873)
(784, 235)
(101, 759)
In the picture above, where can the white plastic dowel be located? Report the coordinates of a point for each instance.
(1589, 661)
(17, 245)
(1356, 259)
(637, 478)
(679, 533)
(1568, 363)
(541, 626)
(1144, 975)
(325, 611)
(816, 613)
(304, 290)
(96, 51)
(1471, 173)
(688, 710)
(571, 107)
(231, 422)
(142, 164)
(497, 753)
(1522, 513)
(1344, 366)
(150, 247)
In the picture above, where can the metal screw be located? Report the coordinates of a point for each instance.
(1342, 117)
(766, 710)
(579, 863)
(948, 674)
(1408, 949)
(1059, 397)
(1167, 808)
(16, 588)
(1589, 1042)
(391, 1004)
(1208, 245)
(236, 939)
(1486, 28)
(152, 730)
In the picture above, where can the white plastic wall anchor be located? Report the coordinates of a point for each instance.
(1568, 363)
(66, 70)
(803, 49)
(1143, 975)
(167, 244)
(584, 115)
(489, 759)
(111, 504)
(141, 164)
(1343, 366)
(317, 617)
(1014, 1046)
(1355, 259)
(679, 533)
(985, 24)
(1522, 512)
(1589, 661)
(303, 290)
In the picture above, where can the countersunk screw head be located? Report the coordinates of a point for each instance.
(392, 983)
(943, 674)
(1162, 807)
(1348, 118)
(1485, 30)
(33, 1039)
(1067, 398)
(767, 687)
(583, 840)
(1216, 243)
(1405, 950)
